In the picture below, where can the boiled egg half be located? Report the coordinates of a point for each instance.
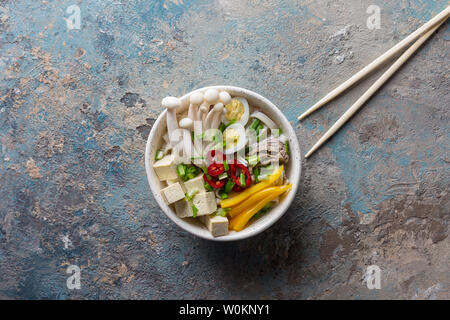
(238, 110)
(235, 138)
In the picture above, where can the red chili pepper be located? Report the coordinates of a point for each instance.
(216, 169)
(237, 180)
(215, 183)
(214, 156)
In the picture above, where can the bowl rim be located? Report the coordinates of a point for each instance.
(280, 209)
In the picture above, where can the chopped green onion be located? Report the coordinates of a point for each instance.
(181, 170)
(243, 185)
(253, 160)
(201, 136)
(224, 126)
(229, 185)
(256, 174)
(197, 158)
(254, 124)
(190, 195)
(205, 169)
(187, 172)
(247, 149)
(223, 176)
(192, 169)
(208, 187)
(288, 151)
(223, 196)
(159, 155)
(266, 208)
(189, 176)
(194, 211)
(259, 127)
(278, 132)
(221, 212)
(225, 165)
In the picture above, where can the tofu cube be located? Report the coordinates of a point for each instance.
(205, 202)
(183, 209)
(173, 193)
(165, 168)
(171, 181)
(196, 183)
(217, 225)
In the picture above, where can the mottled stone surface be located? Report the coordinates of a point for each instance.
(76, 107)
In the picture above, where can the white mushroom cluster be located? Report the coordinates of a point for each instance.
(205, 107)
(199, 109)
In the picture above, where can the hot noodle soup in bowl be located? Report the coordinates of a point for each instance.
(222, 162)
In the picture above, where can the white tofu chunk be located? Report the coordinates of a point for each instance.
(183, 209)
(171, 181)
(196, 183)
(165, 168)
(173, 193)
(217, 225)
(205, 203)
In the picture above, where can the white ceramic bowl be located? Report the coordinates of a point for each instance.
(293, 167)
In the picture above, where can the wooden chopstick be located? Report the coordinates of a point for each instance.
(377, 62)
(354, 108)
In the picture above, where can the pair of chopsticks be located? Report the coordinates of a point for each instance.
(423, 33)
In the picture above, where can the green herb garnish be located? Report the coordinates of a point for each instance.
(225, 165)
(253, 160)
(197, 158)
(223, 126)
(243, 185)
(201, 136)
(254, 124)
(159, 155)
(208, 187)
(228, 186)
(222, 212)
(223, 176)
(181, 170)
(278, 132)
(288, 150)
(266, 208)
(194, 211)
(259, 128)
(256, 174)
(188, 196)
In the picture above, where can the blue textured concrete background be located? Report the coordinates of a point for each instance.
(76, 107)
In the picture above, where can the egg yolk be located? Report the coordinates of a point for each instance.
(231, 137)
(234, 110)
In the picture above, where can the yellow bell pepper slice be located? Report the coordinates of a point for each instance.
(252, 200)
(239, 222)
(227, 203)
